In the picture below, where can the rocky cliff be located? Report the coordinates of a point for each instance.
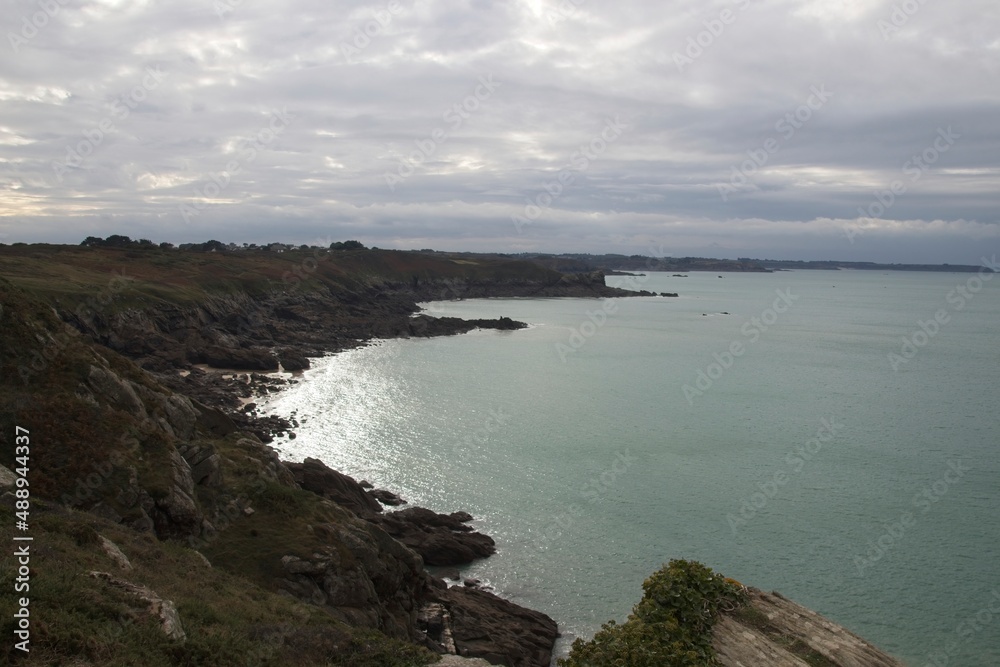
(118, 451)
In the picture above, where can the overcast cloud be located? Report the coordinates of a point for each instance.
(724, 128)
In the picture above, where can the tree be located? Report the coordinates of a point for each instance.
(347, 245)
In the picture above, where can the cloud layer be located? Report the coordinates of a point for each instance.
(725, 128)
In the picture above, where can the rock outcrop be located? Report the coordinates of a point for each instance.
(441, 539)
(772, 630)
(163, 610)
(486, 626)
(314, 475)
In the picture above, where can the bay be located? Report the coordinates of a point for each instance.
(799, 446)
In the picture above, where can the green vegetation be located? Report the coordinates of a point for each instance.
(670, 627)
(228, 620)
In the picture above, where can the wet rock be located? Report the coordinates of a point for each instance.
(386, 497)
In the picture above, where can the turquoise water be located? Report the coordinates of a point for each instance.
(586, 459)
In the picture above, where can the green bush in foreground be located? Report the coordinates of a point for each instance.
(670, 627)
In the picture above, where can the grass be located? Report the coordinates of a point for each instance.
(671, 625)
(229, 621)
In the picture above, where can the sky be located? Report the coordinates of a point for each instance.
(862, 130)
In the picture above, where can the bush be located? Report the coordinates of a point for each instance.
(671, 625)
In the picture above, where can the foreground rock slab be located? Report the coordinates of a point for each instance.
(772, 630)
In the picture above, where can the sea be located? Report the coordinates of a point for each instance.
(831, 435)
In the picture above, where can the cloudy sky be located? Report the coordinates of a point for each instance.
(805, 129)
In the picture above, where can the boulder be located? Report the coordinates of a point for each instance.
(163, 610)
(114, 553)
(486, 626)
(293, 361)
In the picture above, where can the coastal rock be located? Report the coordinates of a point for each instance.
(441, 539)
(251, 359)
(364, 577)
(204, 463)
(385, 497)
(8, 480)
(486, 626)
(314, 475)
(292, 361)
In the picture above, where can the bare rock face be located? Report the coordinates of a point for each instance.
(777, 632)
(365, 578)
(120, 393)
(314, 475)
(486, 626)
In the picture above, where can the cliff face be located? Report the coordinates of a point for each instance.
(118, 451)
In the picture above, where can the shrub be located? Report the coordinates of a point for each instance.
(671, 625)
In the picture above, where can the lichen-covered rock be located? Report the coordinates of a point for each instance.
(114, 553)
(163, 610)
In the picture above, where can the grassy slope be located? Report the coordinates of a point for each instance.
(72, 273)
(229, 621)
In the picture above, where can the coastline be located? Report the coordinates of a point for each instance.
(194, 446)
